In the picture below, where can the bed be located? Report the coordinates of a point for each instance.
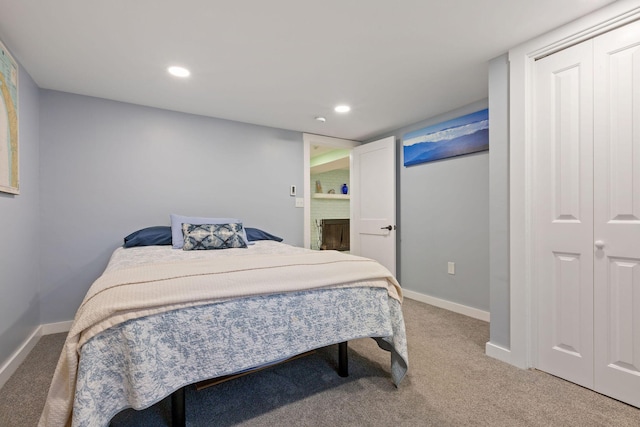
(159, 319)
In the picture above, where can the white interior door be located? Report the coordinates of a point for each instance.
(563, 213)
(373, 201)
(617, 214)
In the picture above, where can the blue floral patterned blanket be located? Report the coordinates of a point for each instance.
(148, 328)
(139, 362)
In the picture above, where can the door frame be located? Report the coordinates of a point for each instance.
(310, 139)
(523, 310)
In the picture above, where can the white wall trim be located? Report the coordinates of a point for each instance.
(522, 60)
(18, 356)
(497, 352)
(593, 29)
(448, 305)
(491, 350)
(56, 328)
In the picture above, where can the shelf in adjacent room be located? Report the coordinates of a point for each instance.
(331, 196)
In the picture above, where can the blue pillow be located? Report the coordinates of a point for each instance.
(257, 234)
(157, 235)
(213, 236)
(177, 221)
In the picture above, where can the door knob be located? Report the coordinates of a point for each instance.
(599, 244)
(388, 227)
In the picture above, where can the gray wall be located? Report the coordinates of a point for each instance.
(444, 216)
(110, 168)
(499, 200)
(20, 231)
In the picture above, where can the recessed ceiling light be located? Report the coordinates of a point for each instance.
(321, 119)
(179, 71)
(342, 109)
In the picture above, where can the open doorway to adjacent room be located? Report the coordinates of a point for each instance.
(327, 207)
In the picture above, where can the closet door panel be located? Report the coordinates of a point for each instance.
(617, 213)
(563, 193)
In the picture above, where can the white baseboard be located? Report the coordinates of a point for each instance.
(56, 328)
(448, 305)
(491, 350)
(498, 352)
(18, 356)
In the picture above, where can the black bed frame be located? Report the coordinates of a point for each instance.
(178, 413)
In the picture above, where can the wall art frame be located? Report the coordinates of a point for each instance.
(456, 137)
(9, 143)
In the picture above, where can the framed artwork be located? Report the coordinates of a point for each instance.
(456, 137)
(9, 182)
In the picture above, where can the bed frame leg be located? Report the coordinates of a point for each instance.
(343, 360)
(178, 416)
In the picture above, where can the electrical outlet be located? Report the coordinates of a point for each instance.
(299, 202)
(451, 267)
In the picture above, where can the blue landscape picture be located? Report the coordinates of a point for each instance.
(463, 135)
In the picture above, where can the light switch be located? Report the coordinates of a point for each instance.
(292, 190)
(299, 202)
(451, 268)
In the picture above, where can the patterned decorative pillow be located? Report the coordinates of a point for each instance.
(213, 236)
(177, 238)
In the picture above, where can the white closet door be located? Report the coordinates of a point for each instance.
(617, 214)
(563, 193)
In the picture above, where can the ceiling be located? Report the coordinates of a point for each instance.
(279, 63)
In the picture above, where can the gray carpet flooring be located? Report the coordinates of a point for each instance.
(450, 383)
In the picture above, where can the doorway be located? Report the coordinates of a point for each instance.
(326, 170)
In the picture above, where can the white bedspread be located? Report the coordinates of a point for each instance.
(164, 281)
